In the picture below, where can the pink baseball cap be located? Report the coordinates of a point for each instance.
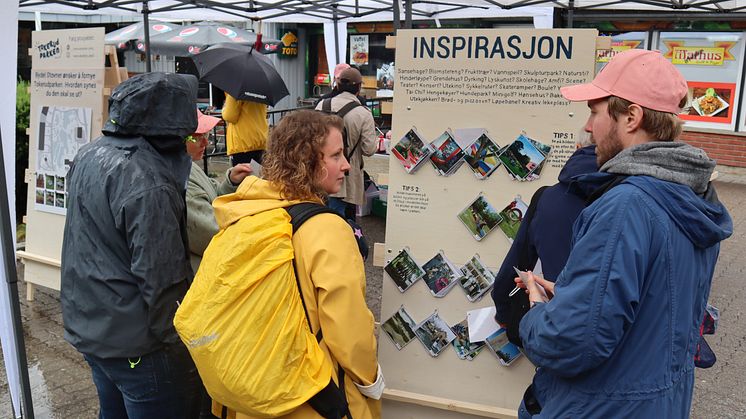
(339, 69)
(639, 76)
(205, 123)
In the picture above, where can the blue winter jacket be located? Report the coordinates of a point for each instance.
(549, 232)
(618, 338)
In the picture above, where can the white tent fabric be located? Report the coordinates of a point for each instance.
(293, 11)
(302, 11)
(9, 48)
(329, 44)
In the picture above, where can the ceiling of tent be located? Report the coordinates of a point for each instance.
(365, 10)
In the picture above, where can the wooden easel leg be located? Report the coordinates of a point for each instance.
(30, 290)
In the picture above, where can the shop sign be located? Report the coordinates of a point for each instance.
(698, 56)
(605, 55)
(289, 47)
(322, 79)
(712, 55)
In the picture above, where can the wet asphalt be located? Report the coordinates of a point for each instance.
(62, 386)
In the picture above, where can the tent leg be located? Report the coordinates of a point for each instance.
(335, 18)
(146, 28)
(11, 278)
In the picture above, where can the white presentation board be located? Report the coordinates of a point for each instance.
(67, 81)
(506, 83)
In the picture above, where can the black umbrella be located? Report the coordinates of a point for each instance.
(122, 37)
(192, 39)
(241, 72)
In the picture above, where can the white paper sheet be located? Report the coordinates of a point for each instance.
(481, 323)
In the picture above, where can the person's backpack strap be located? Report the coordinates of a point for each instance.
(330, 402)
(326, 105)
(344, 110)
(299, 214)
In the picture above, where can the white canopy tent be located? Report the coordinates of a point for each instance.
(334, 14)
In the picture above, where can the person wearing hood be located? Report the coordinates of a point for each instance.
(202, 190)
(304, 163)
(547, 233)
(618, 336)
(125, 257)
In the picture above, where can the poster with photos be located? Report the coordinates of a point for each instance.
(465, 349)
(61, 131)
(440, 275)
(521, 158)
(447, 155)
(477, 279)
(434, 334)
(482, 156)
(404, 270)
(400, 328)
(503, 349)
(480, 217)
(512, 216)
(411, 151)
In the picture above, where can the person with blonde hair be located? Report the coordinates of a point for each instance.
(305, 162)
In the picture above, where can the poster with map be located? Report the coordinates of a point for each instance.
(60, 133)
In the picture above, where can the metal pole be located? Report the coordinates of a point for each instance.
(570, 13)
(11, 278)
(397, 15)
(146, 28)
(407, 14)
(335, 19)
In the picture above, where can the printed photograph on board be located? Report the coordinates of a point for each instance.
(521, 157)
(40, 180)
(499, 345)
(482, 156)
(477, 279)
(480, 217)
(440, 275)
(435, 334)
(404, 270)
(512, 217)
(39, 196)
(465, 349)
(447, 156)
(400, 328)
(411, 151)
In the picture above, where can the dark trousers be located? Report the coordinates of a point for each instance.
(246, 157)
(163, 384)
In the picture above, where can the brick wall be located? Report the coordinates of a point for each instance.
(728, 150)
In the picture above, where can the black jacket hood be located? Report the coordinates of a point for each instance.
(153, 105)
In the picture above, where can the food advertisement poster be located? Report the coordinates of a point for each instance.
(359, 49)
(711, 63)
(710, 102)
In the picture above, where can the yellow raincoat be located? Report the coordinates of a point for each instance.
(332, 278)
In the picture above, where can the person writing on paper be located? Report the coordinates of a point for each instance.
(544, 235)
(202, 190)
(304, 163)
(617, 337)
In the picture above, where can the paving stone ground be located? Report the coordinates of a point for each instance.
(62, 386)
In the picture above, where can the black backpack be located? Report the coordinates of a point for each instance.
(326, 107)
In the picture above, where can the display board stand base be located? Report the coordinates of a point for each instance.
(474, 409)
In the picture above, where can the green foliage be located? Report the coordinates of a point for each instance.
(23, 107)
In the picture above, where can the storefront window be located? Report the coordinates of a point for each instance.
(620, 42)
(711, 63)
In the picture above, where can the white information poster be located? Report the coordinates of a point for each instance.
(359, 49)
(61, 131)
(478, 125)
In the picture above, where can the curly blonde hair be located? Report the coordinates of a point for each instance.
(292, 162)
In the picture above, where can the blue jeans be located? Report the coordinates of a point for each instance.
(164, 384)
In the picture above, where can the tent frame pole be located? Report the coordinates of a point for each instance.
(11, 281)
(146, 28)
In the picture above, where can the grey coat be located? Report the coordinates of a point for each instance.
(125, 260)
